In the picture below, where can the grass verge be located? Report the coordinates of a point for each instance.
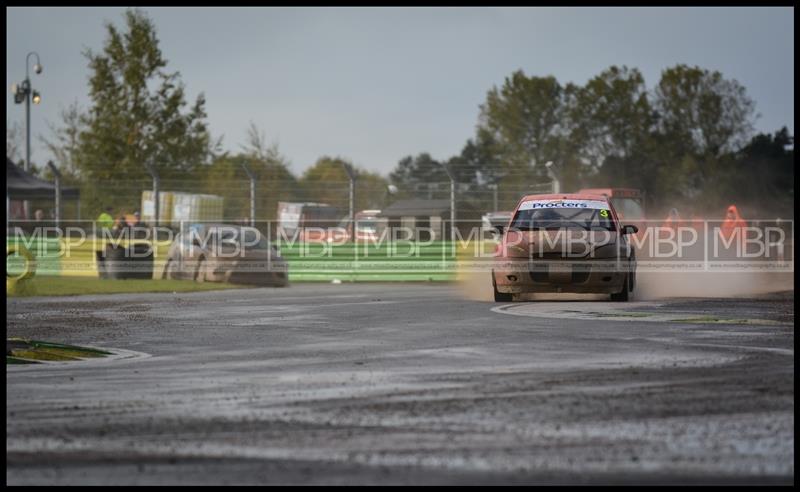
(71, 286)
(22, 351)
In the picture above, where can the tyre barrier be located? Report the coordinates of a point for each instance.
(30, 262)
(18, 284)
(118, 263)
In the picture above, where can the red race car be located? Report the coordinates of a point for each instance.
(565, 243)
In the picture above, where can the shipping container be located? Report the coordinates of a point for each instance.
(176, 206)
(164, 208)
(190, 208)
(294, 216)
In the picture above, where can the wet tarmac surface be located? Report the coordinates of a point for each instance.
(400, 384)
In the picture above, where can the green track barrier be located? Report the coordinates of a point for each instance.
(361, 262)
(308, 262)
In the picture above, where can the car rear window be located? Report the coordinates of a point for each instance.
(232, 236)
(551, 215)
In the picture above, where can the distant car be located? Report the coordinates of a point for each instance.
(496, 221)
(368, 227)
(565, 243)
(628, 202)
(307, 221)
(225, 253)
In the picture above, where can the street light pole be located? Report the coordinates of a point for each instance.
(27, 86)
(57, 176)
(24, 91)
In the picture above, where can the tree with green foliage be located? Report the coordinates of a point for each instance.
(225, 176)
(272, 169)
(15, 141)
(613, 130)
(64, 143)
(762, 175)
(675, 142)
(612, 115)
(526, 118)
(414, 173)
(327, 182)
(371, 190)
(138, 112)
(701, 112)
(702, 118)
(479, 162)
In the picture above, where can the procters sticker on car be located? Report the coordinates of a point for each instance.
(537, 204)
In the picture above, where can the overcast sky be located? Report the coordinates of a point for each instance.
(376, 84)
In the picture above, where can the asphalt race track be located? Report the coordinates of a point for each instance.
(403, 384)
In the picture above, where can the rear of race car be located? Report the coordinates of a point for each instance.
(242, 255)
(255, 267)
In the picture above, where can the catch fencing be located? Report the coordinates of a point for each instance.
(124, 197)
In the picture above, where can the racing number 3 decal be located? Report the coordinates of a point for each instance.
(604, 213)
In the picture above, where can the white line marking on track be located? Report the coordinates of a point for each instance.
(116, 355)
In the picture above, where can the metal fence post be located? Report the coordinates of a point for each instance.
(252, 178)
(351, 173)
(452, 205)
(157, 199)
(555, 177)
(57, 176)
(156, 206)
(493, 187)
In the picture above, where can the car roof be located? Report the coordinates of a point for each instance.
(565, 196)
(613, 192)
